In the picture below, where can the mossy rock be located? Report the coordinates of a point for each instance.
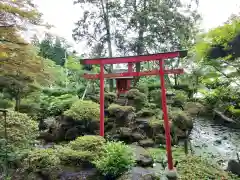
(146, 112)
(21, 130)
(84, 111)
(110, 97)
(181, 120)
(194, 108)
(139, 99)
(113, 109)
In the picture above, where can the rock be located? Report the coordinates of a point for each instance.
(143, 157)
(160, 139)
(138, 173)
(234, 167)
(137, 136)
(84, 174)
(71, 134)
(146, 143)
(225, 138)
(125, 132)
(218, 141)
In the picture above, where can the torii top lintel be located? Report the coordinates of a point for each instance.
(135, 59)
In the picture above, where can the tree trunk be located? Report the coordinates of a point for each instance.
(140, 43)
(17, 102)
(107, 24)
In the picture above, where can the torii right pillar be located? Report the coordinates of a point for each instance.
(170, 171)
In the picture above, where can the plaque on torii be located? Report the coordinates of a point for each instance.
(130, 60)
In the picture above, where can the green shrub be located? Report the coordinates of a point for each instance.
(143, 88)
(69, 156)
(42, 160)
(84, 110)
(155, 97)
(180, 97)
(21, 130)
(140, 99)
(154, 122)
(53, 106)
(6, 104)
(59, 91)
(117, 159)
(90, 143)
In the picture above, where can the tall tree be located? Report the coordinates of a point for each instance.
(155, 26)
(53, 48)
(20, 67)
(96, 27)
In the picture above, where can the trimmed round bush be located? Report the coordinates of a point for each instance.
(21, 130)
(88, 143)
(45, 161)
(84, 110)
(117, 159)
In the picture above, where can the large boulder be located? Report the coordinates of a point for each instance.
(123, 115)
(143, 157)
(138, 173)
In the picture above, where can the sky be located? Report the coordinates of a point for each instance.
(62, 14)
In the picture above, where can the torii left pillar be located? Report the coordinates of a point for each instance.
(102, 99)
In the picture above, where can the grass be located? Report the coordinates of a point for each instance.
(192, 167)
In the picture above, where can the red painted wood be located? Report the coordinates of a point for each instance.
(127, 74)
(102, 100)
(132, 59)
(165, 116)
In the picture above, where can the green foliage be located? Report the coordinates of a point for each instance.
(181, 96)
(42, 160)
(5, 103)
(69, 156)
(117, 159)
(56, 105)
(21, 135)
(235, 112)
(143, 88)
(90, 143)
(146, 112)
(113, 109)
(110, 97)
(21, 130)
(84, 110)
(155, 97)
(193, 167)
(155, 122)
(140, 99)
(181, 119)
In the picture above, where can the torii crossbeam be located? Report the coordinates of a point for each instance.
(135, 59)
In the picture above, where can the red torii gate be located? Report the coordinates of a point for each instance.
(130, 60)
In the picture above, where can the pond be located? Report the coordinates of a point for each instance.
(215, 141)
